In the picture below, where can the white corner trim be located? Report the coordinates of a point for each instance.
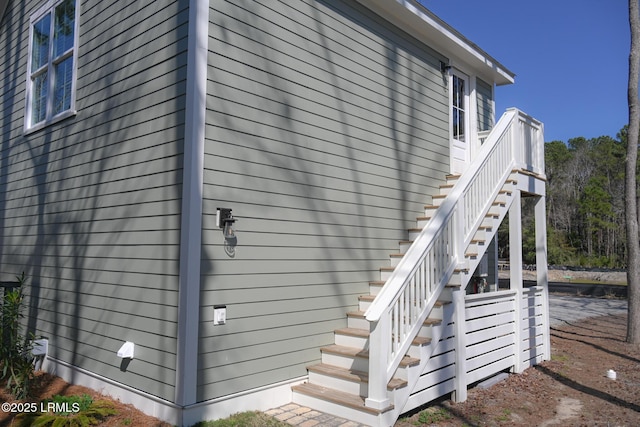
(191, 220)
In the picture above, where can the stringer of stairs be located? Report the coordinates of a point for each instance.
(339, 383)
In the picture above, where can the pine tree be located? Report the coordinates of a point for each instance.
(631, 193)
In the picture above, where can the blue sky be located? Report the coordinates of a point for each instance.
(570, 58)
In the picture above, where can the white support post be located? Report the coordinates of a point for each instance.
(379, 350)
(542, 275)
(496, 271)
(460, 392)
(516, 140)
(540, 149)
(459, 234)
(515, 273)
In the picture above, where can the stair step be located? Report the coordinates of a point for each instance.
(337, 397)
(446, 188)
(340, 350)
(482, 232)
(414, 233)
(356, 320)
(375, 286)
(352, 337)
(363, 334)
(367, 298)
(504, 194)
(422, 221)
(404, 245)
(352, 375)
(394, 259)
(353, 332)
(370, 298)
(429, 209)
(385, 272)
(454, 283)
(432, 322)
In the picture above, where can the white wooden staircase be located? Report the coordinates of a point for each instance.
(402, 331)
(338, 385)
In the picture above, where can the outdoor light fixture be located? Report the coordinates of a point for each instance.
(126, 351)
(225, 220)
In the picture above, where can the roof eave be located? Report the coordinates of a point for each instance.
(422, 24)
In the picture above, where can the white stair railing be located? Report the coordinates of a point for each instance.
(402, 305)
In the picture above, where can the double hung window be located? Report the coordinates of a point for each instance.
(52, 63)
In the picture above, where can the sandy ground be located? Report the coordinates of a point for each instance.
(612, 277)
(571, 389)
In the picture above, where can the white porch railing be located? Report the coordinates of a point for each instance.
(405, 301)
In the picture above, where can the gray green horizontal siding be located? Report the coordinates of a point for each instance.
(14, 36)
(327, 132)
(486, 115)
(90, 206)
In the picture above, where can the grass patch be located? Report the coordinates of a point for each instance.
(432, 415)
(563, 358)
(68, 411)
(506, 415)
(244, 419)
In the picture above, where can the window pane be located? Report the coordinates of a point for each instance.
(40, 45)
(64, 27)
(39, 103)
(461, 126)
(62, 92)
(455, 122)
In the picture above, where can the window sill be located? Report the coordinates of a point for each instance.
(55, 119)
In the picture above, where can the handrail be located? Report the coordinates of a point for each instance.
(402, 305)
(425, 240)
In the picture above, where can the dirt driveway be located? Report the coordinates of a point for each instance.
(570, 310)
(572, 389)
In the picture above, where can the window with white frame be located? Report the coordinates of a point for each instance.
(459, 109)
(52, 63)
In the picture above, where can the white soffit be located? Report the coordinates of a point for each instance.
(422, 24)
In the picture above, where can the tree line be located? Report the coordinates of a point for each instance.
(585, 202)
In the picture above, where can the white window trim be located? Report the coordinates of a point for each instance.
(49, 7)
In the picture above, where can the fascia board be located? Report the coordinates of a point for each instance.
(422, 24)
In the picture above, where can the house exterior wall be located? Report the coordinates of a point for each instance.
(90, 206)
(486, 116)
(327, 131)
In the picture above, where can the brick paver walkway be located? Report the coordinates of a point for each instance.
(301, 416)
